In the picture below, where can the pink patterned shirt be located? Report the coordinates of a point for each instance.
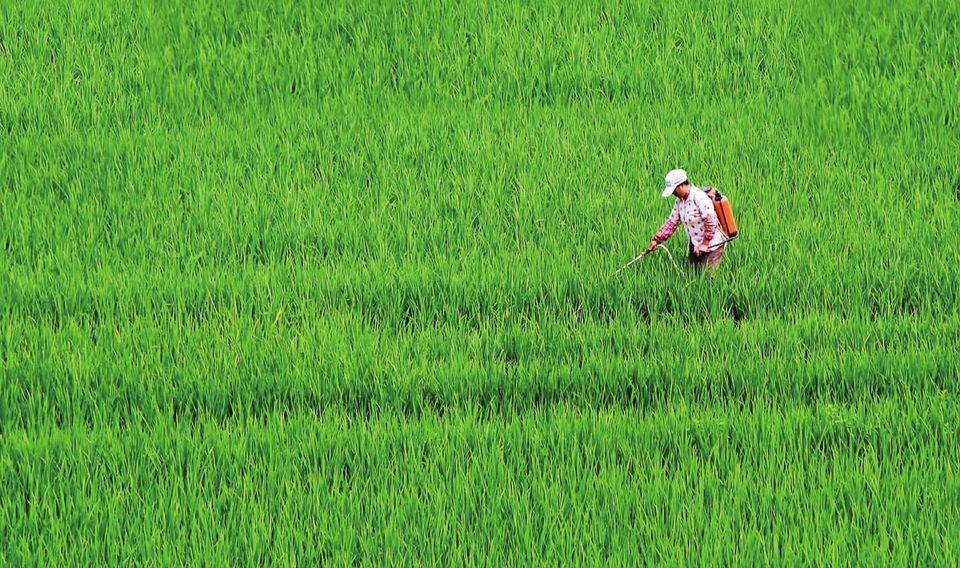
(698, 217)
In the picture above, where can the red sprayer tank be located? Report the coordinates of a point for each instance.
(724, 211)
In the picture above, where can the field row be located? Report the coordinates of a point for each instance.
(144, 370)
(874, 483)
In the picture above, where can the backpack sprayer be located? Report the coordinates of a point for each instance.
(721, 205)
(724, 211)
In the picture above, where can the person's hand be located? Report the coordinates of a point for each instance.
(702, 249)
(653, 244)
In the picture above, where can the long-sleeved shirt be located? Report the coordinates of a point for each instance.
(698, 217)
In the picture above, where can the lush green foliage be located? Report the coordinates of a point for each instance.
(313, 281)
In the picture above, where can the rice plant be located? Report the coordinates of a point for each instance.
(334, 282)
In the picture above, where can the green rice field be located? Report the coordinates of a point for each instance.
(303, 283)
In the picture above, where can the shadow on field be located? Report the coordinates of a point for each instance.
(736, 313)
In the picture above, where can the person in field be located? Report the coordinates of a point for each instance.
(695, 211)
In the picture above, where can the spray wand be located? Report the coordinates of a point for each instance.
(645, 253)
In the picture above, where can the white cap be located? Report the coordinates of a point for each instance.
(673, 179)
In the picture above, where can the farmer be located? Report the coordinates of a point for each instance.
(694, 209)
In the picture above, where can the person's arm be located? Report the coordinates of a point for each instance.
(668, 228)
